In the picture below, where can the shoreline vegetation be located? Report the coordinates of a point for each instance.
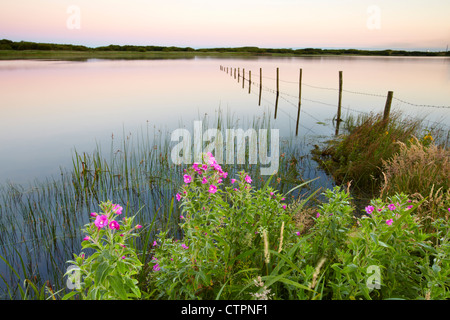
(227, 234)
(10, 50)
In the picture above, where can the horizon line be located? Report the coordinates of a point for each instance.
(432, 49)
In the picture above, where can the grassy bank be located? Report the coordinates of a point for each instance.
(131, 55)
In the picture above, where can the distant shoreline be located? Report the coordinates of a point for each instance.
(10, 50)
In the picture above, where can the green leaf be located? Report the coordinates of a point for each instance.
(295, 284)
(383, 244)
(69, 295)
(101, 272)
(350, 268)
(301, 185)
(132, 285)
(374, 237)
(117, 284)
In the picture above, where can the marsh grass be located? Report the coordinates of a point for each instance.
(40, 225)
(356, 156)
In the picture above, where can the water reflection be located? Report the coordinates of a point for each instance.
(51, 107)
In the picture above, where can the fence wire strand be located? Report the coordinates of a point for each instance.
(284, 96)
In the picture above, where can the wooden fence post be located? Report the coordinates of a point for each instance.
(387, 107)
(249, 81)
(243, 77)
(338, 117)
(278, 79)
(299, 101)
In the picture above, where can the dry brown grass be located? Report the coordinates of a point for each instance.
(416, 169)
(302, 216)
(423, 173)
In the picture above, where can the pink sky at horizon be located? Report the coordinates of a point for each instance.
(200, 23)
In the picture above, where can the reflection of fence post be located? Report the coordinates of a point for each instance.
(235, 73)
(239, 73)
(276, 105)
(338, 117)
(249, 80)
(387, 107)
(299, 101)
(260, 85)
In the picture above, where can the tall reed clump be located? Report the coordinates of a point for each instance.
(358, 155)
(422, 170)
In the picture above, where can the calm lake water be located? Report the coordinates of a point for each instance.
(50, 108)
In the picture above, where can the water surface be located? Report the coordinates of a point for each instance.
(50, 108)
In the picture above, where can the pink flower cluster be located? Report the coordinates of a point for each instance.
(103, 219)
(391, 207)
(200, 169)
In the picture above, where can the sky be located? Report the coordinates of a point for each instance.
(360, 24)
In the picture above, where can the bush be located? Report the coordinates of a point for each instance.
(109, 272)
(229, 229)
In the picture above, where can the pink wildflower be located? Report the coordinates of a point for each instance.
(212, 189)
(391, 206)
(369, 209)
(389, 222)
(117, 209)
(184, 246)
(248, 179)
(101, 221)
(178, 197)
(138, 226)
(187, 178)
(233, 180)
(86, 238)
(114, 225)
(204, 180)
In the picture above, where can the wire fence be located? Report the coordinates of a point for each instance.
(295, 103)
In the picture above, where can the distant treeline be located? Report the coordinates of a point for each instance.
(25, 45)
